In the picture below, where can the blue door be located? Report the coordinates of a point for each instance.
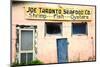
(62, 50)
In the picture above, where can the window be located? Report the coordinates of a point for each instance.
(26, 57)
(53, 28)
(79, 28)
(26, 40)
(26, 45)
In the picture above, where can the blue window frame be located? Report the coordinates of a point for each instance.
(79, 28)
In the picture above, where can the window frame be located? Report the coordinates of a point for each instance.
(79, 34)
(26, 51)
(61, 27)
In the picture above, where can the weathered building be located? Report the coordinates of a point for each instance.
(52, 32)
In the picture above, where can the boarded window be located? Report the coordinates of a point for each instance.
(79, 28)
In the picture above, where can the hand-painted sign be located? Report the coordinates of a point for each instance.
(60, 13)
